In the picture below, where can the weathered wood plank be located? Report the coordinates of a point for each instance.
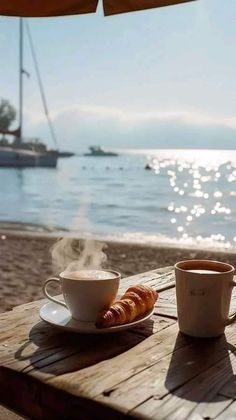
(165, 309)
(174, 408)
(229, 389)
(44, 344)
(171, 372)
(57, 361)
(168, 296)
(50, 367)
(210, 409)
(37, 400)
(155, 324)
(106, 348)
(198, 396)
(161, 278)
(229, 413)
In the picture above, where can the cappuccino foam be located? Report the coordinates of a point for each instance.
(91, 275)
(203, 271)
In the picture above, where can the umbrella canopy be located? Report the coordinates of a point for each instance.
(41, 8)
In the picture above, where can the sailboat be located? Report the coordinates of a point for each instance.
(30, 153)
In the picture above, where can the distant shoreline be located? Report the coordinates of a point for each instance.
(31, 230)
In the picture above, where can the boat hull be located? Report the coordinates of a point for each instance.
(99, 151)
(105, 154)
(65, 154)
(19, 158)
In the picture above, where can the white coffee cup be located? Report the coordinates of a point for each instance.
(203, 292)
(86, 292)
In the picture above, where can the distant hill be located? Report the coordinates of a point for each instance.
(77, 130)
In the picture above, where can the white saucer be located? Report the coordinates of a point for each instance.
(60, 317)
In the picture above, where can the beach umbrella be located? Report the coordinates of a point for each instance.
(42, 8)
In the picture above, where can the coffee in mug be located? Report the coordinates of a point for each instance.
(203, 292)
(86, 292)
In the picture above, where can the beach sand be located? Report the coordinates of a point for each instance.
(26, 262)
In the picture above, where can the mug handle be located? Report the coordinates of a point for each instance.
(49, 296)
(231, 318)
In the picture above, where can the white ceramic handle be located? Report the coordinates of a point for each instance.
(51, 279)
(232, 318)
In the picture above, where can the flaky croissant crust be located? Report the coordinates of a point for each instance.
(136, 301)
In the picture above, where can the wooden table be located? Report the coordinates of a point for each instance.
(151, 371)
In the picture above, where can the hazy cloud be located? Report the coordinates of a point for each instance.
(79, 126)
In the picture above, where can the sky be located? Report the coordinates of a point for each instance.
(158, 78)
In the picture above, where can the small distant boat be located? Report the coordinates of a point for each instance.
(99, 151)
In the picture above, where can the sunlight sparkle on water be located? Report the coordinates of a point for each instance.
(186, 176)
(218, 194)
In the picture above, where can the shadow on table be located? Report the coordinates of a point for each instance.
(202, 369)
(60, 352)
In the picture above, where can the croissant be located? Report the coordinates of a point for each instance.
(136, 301)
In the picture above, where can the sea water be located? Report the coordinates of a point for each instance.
(187, 197)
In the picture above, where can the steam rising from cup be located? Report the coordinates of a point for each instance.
(70, 254)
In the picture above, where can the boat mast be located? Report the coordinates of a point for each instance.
(40, 83)
(19, 138)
